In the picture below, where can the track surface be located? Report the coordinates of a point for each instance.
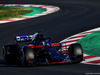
(75, 16)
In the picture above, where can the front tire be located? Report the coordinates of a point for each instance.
(75, 52)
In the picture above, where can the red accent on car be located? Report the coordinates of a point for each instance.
(29, 60)
(58, 62)
(32, 46)
(64, 51)
(49, 45)
(67, 54)
(56, 44)
(38, 46)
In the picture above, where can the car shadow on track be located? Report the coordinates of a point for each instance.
(2, 64)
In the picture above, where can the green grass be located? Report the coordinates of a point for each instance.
(13, 12)
(91, 44)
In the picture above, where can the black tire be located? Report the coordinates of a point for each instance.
(75, 52)
(27, 53)
(10, 53)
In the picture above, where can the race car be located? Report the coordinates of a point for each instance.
(36, 49)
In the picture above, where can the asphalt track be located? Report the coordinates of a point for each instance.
(75, 16)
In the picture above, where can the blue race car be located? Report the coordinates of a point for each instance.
(40, 51)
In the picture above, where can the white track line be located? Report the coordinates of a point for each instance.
(91, 59)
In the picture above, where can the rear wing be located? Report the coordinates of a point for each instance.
(29, 37)
(23, 38)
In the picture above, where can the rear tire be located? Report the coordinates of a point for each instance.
(10, 53)
(75, 52)
(27, 53)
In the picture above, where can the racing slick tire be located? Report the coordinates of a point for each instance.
(27, 57)
(10, 53)
(75, 52)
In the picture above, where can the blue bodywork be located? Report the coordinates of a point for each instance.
(54, 54)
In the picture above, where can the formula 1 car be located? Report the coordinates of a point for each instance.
(40, 51)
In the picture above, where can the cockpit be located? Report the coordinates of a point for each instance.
(42, 41)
